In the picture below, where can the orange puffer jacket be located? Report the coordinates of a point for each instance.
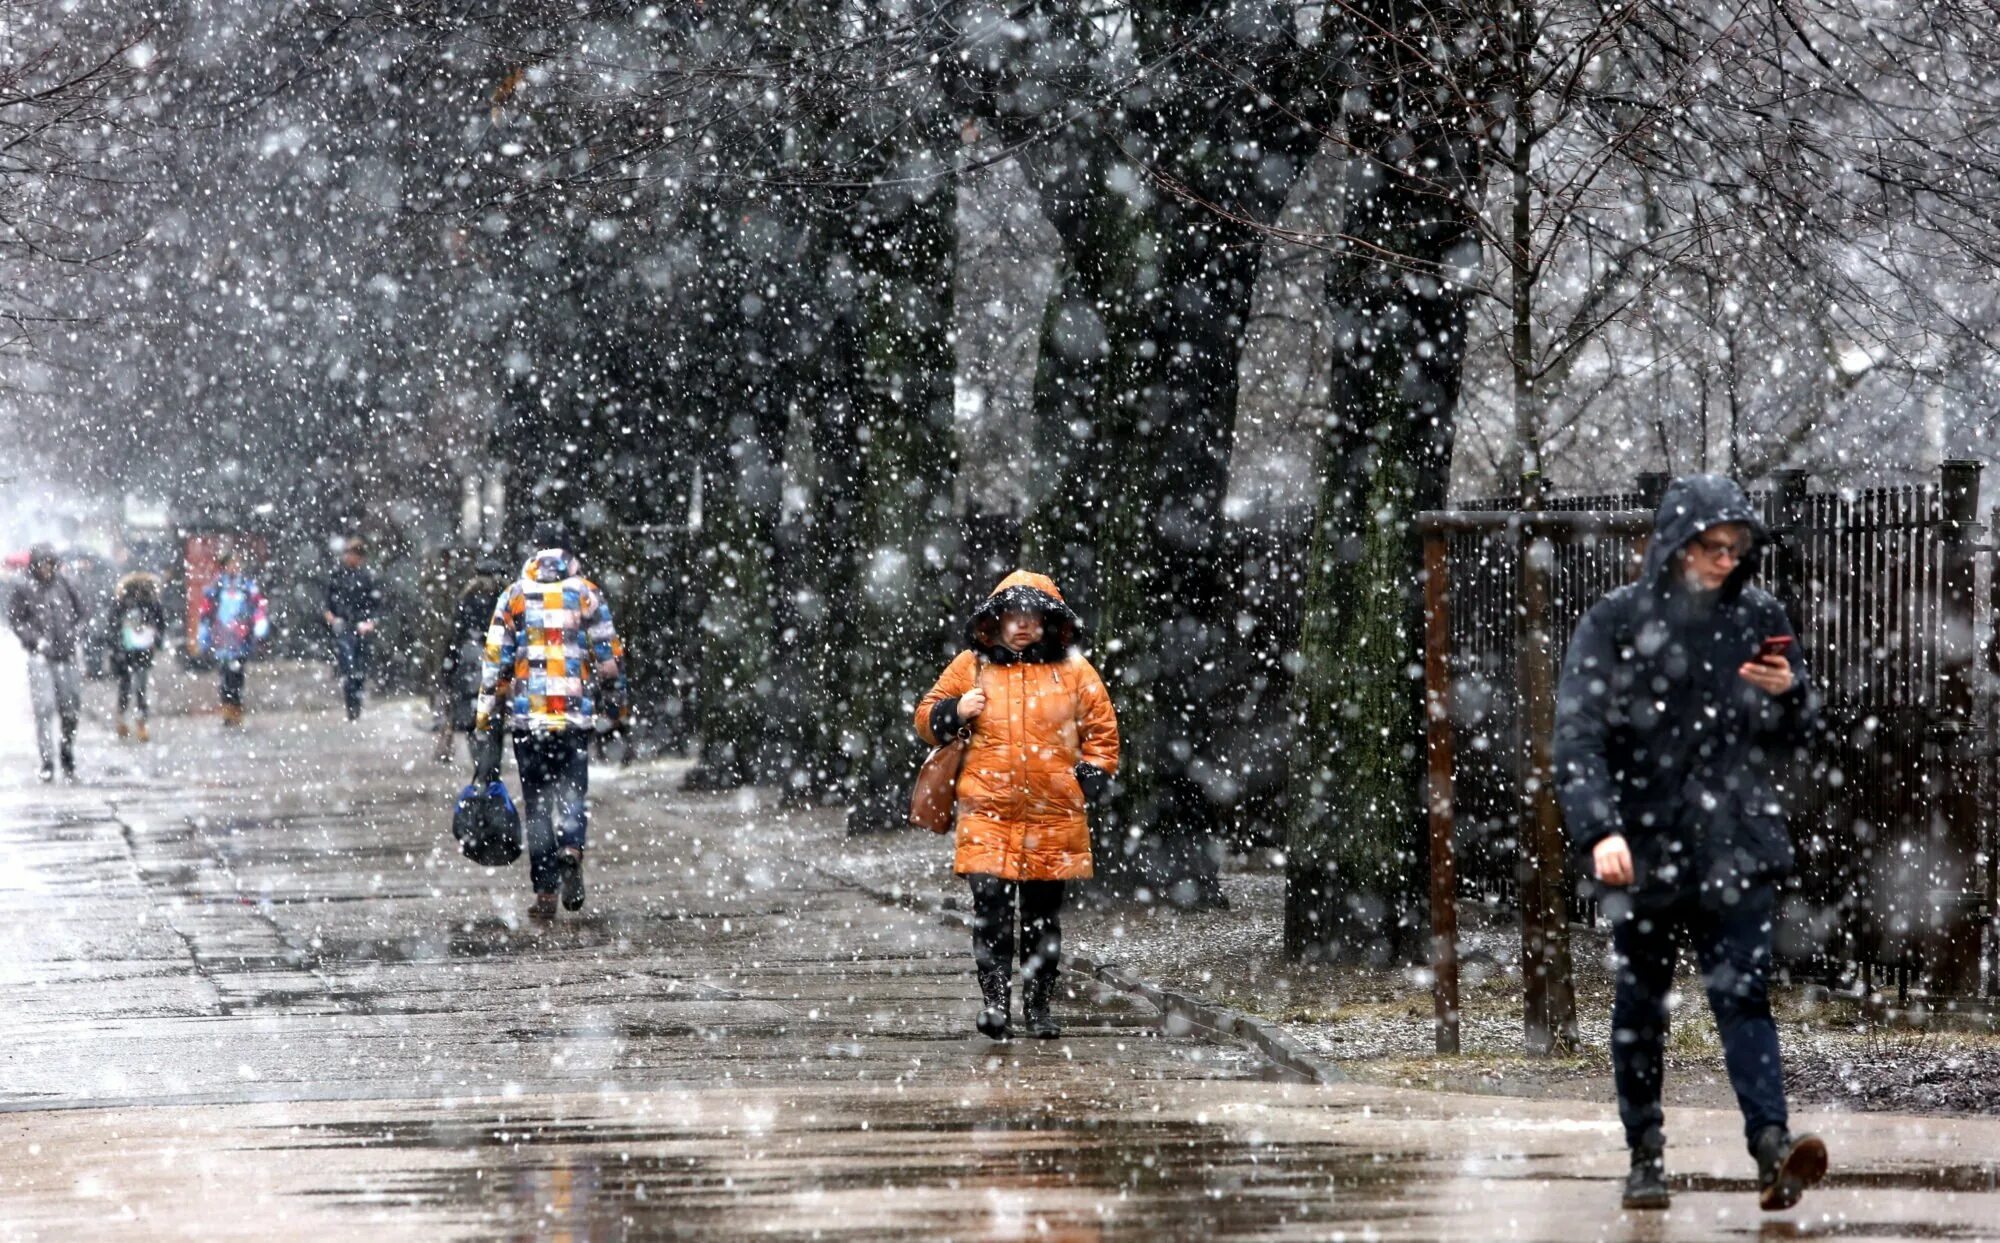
(1020, 805)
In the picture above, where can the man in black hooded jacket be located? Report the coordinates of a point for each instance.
(353, 602)
(1681, 706)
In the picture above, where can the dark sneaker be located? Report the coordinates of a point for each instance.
(1646, 1181)
(569, 868)
(544, 909)
(1786, 1166)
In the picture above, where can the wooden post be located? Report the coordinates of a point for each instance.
(1545, 956)
(1550, 1011)
(1958, 903)
(1438, 741)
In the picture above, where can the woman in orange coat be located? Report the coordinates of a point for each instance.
(1043, 743)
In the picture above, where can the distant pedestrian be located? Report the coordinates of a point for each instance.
(48, 617)
(136, 632)
(234, 620)
(551, 670)
(353, 604)
(1043, 745)
(464, 645)
(1682, 700)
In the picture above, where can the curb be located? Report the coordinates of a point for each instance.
(1180, 1012)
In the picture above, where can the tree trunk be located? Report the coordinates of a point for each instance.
(1161, 212)
(906, 537)
(1355, 875)
(732, 378)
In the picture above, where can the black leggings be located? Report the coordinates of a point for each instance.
(993, 903)
(231, 668)
(132, 678)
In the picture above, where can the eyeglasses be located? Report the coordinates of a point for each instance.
(1717, 549)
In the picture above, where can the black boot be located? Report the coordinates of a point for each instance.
(1786, 1166)
(995, 987)
(1035, 992)
(569, 872)
(1646, 1181)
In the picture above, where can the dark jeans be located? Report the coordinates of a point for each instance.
(1732, 946)
(133, 675)
(351, 656)
(231, 669)
(993, 904)
(555, 785)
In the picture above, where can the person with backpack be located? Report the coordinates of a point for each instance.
(48, 617)
(1681, 708)
(137, 630)
(550, 675)
(353, 603)
(234, 619)
(1043, 745)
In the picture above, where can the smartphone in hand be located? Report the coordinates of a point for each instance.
(1778, 645)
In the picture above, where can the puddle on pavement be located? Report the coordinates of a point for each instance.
(1951, 1178)
(925, 1174)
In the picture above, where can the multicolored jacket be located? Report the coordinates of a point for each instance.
(233, 617)
(549, 645)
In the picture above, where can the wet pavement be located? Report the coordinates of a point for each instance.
(251, 991)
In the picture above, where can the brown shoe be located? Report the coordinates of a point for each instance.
(232, 716)
(139, 731)
(544, 909)
(1786, 1167)
(122, 731)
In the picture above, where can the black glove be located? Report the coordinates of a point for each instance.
(1095, 781)
(486, 762)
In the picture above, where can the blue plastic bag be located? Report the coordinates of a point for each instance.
(487, 826)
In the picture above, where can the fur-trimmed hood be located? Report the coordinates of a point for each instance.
(1024, 591)
(139, 585)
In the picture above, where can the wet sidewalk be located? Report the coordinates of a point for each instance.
(251, 991)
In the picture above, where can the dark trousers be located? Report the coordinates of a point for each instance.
(351, 655)
(133, 675)
(993, 905)
(231, 670)
(555, 786)
(1732, 946)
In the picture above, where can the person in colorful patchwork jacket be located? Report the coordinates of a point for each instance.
(553, 676)
(234, 620)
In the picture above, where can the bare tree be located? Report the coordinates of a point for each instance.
(73, 121)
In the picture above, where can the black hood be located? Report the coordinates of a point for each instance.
(1693, 504)
(1061, 629)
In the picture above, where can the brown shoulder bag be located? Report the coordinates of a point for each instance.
(934, 800)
